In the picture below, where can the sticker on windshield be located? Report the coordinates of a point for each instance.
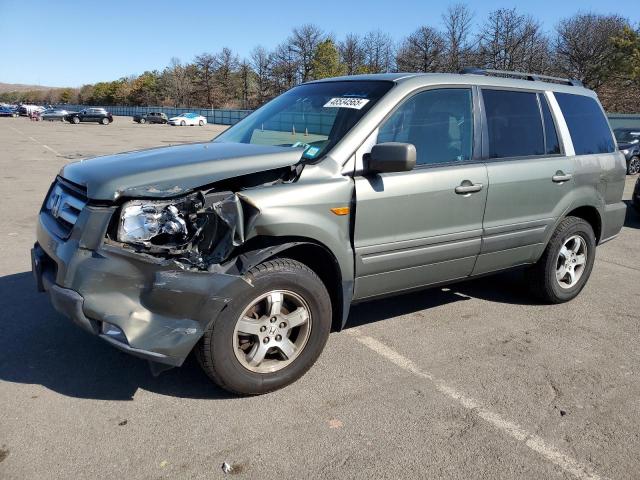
(342, 102)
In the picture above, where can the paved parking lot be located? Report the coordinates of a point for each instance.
(471, 381)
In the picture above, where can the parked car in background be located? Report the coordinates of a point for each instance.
(54, 114)
(629, 144)
(250, 248)
(99, 115)
(151, 117)
(8, 112)
(188, 119)
(26, 110)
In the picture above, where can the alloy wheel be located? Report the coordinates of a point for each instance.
(571, 261)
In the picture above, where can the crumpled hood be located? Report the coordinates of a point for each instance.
(171, 171)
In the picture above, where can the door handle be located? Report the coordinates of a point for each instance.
(560, 177)
(467, 187)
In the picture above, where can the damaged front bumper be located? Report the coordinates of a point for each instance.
(161, 308)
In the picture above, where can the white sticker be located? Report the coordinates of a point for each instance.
(346, 102)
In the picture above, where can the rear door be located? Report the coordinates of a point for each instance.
(422, 227)
(529, 176)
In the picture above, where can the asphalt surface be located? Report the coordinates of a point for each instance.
(471, 381)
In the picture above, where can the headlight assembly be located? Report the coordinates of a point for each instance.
(625, 151)
(147, 222)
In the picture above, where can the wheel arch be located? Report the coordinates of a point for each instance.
(590, 215)
(313, 254)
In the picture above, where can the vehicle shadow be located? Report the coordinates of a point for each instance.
(40, 346)
(507, 287)
(632, 217)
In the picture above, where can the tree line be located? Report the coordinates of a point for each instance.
(603, 51)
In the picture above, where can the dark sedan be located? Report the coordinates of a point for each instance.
(151, 117)
(629, 144)
(99, 115)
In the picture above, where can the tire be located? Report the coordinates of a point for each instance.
(105, 121)
(201, 123)
(543, 276)
(218, 351)
(75, 120)
(182, 123)
(142, 121)
(633, 167)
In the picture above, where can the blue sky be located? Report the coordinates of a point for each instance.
(65, 43)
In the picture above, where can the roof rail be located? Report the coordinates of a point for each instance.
(526, 76)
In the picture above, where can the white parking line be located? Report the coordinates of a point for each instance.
(36, 141)
(531, 440)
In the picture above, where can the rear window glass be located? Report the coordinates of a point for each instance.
(514, 124)
(587, 124)
(552, 145)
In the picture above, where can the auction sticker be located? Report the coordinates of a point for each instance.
(346, 102)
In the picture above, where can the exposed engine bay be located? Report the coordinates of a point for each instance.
(198, 230)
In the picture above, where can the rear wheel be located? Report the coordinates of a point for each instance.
(634, 165)
(201, 123)
(566, 264)
(182, 123)
(271, 333)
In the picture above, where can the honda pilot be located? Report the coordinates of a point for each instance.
(249, 249)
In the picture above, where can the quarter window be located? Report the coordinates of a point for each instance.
(439, 123)
(589, 129)
(552, 145)
(514, 124)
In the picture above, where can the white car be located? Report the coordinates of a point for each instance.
(188, 119)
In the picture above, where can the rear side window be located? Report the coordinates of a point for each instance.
(552, 145)
(514, 124)
(439, 123)
(587, 124)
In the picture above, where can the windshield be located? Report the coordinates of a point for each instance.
(314, 116)
(627, 136)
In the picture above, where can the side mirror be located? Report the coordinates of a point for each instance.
(391, 157)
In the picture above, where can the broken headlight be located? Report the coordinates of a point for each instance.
(145, 222)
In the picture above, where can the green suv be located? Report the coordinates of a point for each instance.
(251, 248)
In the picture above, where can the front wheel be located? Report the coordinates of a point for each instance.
(634, 165)
(183, 123)
(105, 121)
(75, 120)
(143, 120)
(201, 123)
(566, 264)
(271, 333)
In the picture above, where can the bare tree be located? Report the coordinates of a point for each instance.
(584, 47)
(457, 22)
(205, 76)
(351, 53)
(178, 82)
(510, 41)
(226, 65)
(378, 52)
(422, 51)
(304, 41)
(261, 64)
(246, 76)
(284, 68)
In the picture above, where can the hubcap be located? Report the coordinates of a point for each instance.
(571, 261)
(272, 331)
(634, 165)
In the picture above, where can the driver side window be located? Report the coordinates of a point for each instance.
(439, 123)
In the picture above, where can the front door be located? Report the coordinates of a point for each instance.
(424, 226)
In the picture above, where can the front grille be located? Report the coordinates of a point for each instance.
(64, 204)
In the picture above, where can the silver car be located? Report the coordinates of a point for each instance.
(54, 114)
